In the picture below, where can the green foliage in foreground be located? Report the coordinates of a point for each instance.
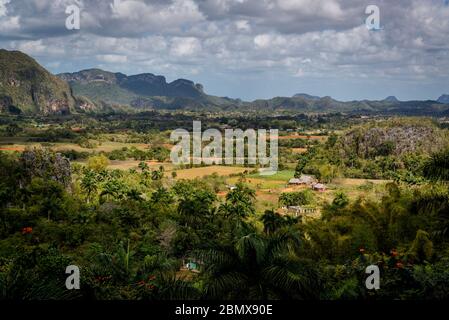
(131, 235)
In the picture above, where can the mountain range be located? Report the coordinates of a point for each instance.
(26, 87)
(142, 91)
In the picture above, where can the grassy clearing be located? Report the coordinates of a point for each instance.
(283, 175)
(259, 184)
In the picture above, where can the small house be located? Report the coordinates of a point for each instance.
(319, 187)
(294, 181)
(303, 180)
(191, 266)
(298, 211)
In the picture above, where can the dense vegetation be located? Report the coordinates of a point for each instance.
(395, 149)
(131, 232)
(25, 86)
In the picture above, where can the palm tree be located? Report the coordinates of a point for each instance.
(437, 168)
(273, 221)
(196, 208)
(157, 175)
(143, 166)
(134, 194)
(18, 283)
(239, 202)
(120, 274)
(258, 267)
(161, 195)
(89, 184)
(114, 189)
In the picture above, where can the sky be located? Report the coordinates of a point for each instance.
(246, 49)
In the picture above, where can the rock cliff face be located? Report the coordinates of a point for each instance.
(26, 87)
(98, 84)
(395, 140)
(142, 91)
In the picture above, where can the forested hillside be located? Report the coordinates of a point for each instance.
(25, 86)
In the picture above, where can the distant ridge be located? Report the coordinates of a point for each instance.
(26, 87)
(141, 91)
(146, 84)
(443, 99)
(306, 96)
(391, 99)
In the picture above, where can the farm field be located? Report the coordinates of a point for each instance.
(268, 188)
(20, 144)
(134, 164)
(283, 175)
(299, 150)
(205, 171)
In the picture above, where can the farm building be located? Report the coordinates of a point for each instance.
(191, 265)
(303, 180)
(319, 187)
(300, 210)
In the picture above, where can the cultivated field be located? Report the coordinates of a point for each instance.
(268, 188)
(20, 144)
(205, 171)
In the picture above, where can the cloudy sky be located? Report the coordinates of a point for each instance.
(246, 48)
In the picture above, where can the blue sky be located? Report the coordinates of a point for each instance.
(246, 49)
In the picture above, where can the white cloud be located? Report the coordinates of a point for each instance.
(40, 48)
(135, 17)
(112, 58)
(302, 38)
(33, 47)
(185, 46)
(9, 24)
(243, 25)
(317, 8)
(3, 9)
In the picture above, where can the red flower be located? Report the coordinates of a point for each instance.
(362, 250)
(394, 253)
(141, 283)
(27, 230)
(399, 265)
